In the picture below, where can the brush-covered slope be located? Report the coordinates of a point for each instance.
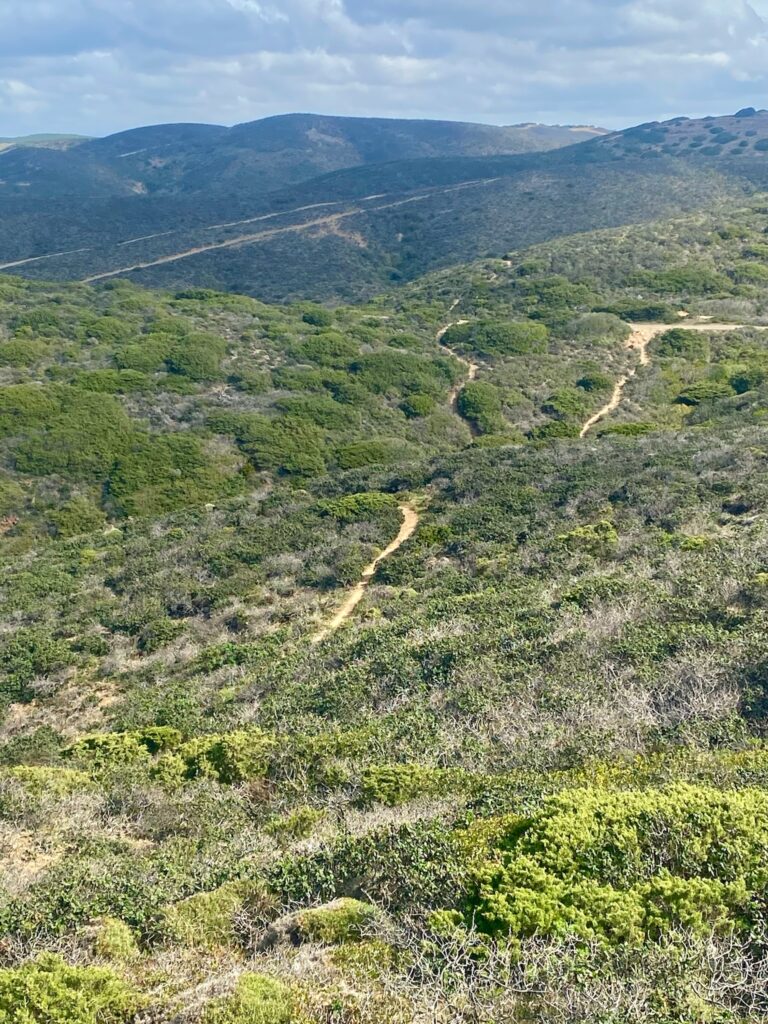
(526, 780)
(193, 211)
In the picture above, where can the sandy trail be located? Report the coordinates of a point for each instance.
(639, 340)
(472, 368)
(355, 596)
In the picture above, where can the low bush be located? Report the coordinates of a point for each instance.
(50, 991)
(256, 999)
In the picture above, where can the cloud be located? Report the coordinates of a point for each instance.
(102, 65)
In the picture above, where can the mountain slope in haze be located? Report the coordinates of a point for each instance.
(260, 156)
(350, 233)
(355, 232)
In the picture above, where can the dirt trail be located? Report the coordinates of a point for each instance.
(472, 368)
(355, 596)
(409, 514)
(639, 340)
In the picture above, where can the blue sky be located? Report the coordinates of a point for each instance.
(96, 66)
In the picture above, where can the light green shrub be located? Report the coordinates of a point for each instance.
(49, 991)
(343, 920)
(257, 999)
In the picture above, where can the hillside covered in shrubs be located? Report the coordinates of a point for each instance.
(526, 780)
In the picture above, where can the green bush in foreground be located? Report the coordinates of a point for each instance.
(49, 991)
(626, 866)
(341, 921)
(256, 1000)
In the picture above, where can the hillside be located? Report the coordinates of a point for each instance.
(351, 234)
(257, 157)
(523, 777)
(43, 141)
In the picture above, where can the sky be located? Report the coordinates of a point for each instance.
(99, 66)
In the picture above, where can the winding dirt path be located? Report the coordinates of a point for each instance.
(471, 368)
(408, 512)
(355, 596)
(639, 340)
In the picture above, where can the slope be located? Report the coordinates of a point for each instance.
(538, 744)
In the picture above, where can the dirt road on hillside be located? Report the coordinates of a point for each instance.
(471, 367)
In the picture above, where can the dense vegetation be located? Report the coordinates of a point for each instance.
(526, 781)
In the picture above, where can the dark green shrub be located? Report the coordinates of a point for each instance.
(704, 391)
(595, 381)
(354, 508)
(480, 403)
(418, 405)
(488, 337)
(317, 316)
(76, 516)
(369, 453)
(683, 344)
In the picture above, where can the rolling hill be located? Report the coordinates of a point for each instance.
(200, 215)
(257, 157)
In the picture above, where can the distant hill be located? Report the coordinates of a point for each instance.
(209, 219)
(45, 141)
(744, 134)
(261, 156)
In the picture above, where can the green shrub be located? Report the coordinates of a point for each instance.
(197, 356)
(395, 784)
(256, 999)
(29, 653)
(683, 344)
(402, 373)
(598, 327)
(209, 919)
(748, 378)
(749, 273)
(554, 429)
(159, 633)
(418, 405)
(318, 316)
(595, 381)
(23, 352)
(596, 538)
(566, 404)
(49, 991)
(114, 940)
(229, 757)
(355, 508)
(40, 781)
(704, 391)
(328, 349)
(480, 403)
(627, 865)
(687, 279)
(369, 453)
(489, 338)
(343, 920)
(75, 517)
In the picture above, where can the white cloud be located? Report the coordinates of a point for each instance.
(101, 65)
